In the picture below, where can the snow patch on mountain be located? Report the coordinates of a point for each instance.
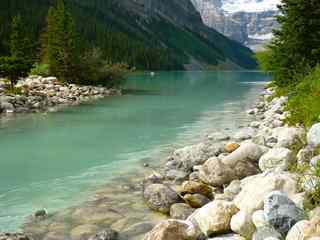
(232, 6)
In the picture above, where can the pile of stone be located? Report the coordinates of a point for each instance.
(38, 94)
(239, 187)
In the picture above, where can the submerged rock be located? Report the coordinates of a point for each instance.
(14, 236)
(181, 211)
(107, 234)
(160, 197)
(172, 230)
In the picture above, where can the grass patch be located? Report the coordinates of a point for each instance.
(304, 100)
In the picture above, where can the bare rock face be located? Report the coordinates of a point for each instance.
(248, 22)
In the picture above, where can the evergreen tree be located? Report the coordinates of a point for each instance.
(20, 45)
(60, 43)
(14, 68)
(296, 46)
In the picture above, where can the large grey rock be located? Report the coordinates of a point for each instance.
(264, 233)
(6, 106)
(279, 158)
(160, 197)
(281, 212)
(256, 188)
(107, 234)
(214, 218)
(180, 211)
(173, 229)
(313, 135)
(184, 159)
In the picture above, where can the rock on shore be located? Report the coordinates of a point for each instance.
(253, 193)
(42, 94)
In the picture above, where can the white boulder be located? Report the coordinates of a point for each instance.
(279, 158)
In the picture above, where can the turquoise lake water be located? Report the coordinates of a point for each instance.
(54, 160)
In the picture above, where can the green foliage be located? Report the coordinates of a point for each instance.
(265, 60)
(304, 103)
(124, 36)
(309, 175)
(61, 43)
(14, 68)
(40, 69)
(296, 46)
(97, 71)
(20, 45)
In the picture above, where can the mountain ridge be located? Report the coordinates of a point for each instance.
(174, 26)
(249, 22)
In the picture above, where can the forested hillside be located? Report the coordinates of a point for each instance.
(146, 34)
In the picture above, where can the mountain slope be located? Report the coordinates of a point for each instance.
(171, 25)
(249, 22)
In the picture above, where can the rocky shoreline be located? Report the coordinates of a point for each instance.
(40, 94)
(227, 187)
(241, 186)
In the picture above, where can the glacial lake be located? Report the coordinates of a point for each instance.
(56, 160)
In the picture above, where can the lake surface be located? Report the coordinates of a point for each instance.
(56, 160)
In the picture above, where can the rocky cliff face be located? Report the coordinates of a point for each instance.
(249, 22)
(178, 24)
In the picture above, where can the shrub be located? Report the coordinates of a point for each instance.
(40, 70)
(97, 71)
(14, 68)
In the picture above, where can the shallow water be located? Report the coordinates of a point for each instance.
(57, 160)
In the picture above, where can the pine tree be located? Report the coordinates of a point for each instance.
(19, 62)
(296, 46)
(61, 44)
(20, 46)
